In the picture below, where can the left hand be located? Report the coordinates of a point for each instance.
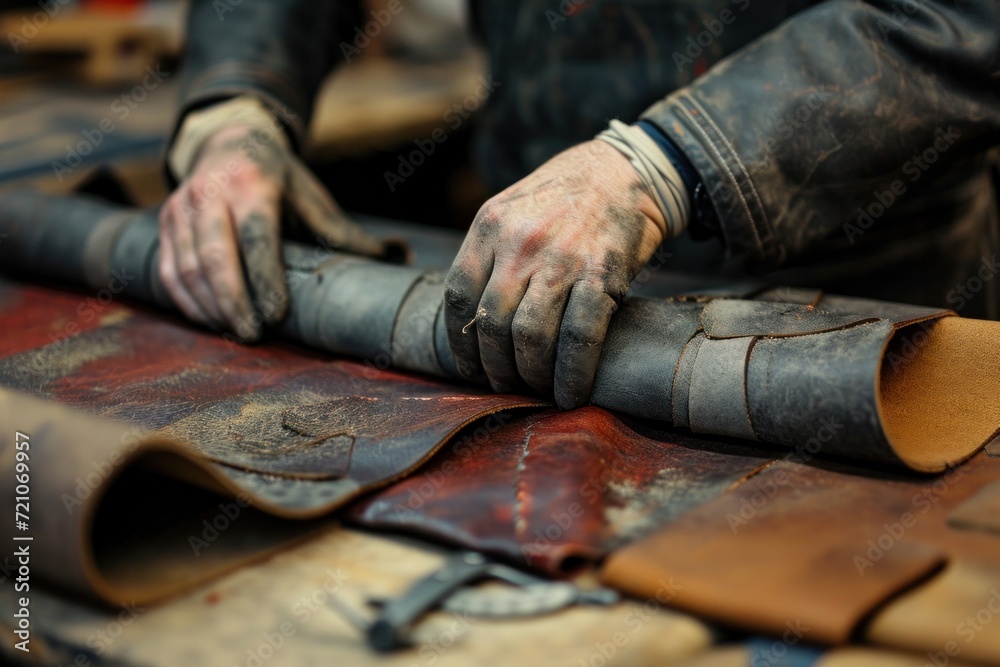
(543, 268)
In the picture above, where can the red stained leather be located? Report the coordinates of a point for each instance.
(557, 487)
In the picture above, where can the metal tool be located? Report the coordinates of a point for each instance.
(530, 596)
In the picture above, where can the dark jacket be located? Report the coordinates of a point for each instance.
(849, 140)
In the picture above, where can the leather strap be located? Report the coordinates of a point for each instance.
(640, 357)
(717, 401)
(681, 389)
(413, 345)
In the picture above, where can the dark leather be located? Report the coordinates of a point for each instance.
(729, 318)
(717, 399)
(640, 356)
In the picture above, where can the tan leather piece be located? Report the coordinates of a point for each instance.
(956, 616)
(940, 391)
(76, 460)
(121, 515)
(827, 547)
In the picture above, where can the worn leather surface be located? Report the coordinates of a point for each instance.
(553, 489)
(824, 545)
(299, 434)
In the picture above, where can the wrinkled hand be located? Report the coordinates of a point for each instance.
(543, 268)
(226, 215)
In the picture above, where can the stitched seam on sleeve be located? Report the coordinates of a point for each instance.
(725, 166)
(736, 157)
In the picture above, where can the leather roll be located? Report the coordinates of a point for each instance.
(640, 357)
(747, 361)
(413, 345)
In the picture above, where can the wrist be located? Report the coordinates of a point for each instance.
(208, 128)
(656, 172)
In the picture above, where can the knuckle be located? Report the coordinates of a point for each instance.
(456, 292)
(527, 334)
(189, 272)
(248, 174)
(171, 213)
(490, 214)
(491, 326)
(198, 185)
(212, 258)
(168, 277)
(580, 334)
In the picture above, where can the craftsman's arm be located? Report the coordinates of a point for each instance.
(547, 261)
(251, 73)
(880, 83)
(278, 52)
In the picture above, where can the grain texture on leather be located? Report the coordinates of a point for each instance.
(295, 435)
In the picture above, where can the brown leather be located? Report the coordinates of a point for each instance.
(103, 527)
(554, 489)
(980, 512)
(827, 546)
(938, 390)
(953, 617)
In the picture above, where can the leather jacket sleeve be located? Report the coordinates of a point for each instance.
(845, 105)
(277, 51)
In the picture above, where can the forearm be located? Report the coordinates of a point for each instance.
(278, 52)
(792, 133)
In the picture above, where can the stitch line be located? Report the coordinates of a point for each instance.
(743, 170)
(725, 166)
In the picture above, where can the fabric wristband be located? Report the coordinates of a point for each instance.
(656, 170)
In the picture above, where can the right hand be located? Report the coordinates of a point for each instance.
(225, 216)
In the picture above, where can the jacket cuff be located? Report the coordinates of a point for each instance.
(740, 212)
(230, 80)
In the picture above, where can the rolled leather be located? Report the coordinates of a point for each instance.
(773, 365)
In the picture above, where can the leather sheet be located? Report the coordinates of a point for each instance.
(183, 424)
(290, 433)
(553, 490)
(821, 544)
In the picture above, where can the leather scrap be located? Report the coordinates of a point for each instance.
(294, 435)
(824, 545)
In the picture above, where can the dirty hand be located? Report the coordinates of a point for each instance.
(226, 215)
(543, 268)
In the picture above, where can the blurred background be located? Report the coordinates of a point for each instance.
(88, 93)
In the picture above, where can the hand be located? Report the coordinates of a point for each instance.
(543, 268)
(223, 217)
